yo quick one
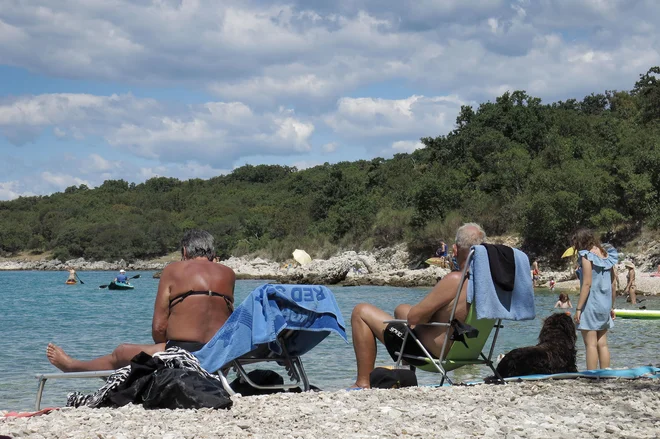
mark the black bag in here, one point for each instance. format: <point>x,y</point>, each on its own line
<point>154,386</point>
<point>385,378</point>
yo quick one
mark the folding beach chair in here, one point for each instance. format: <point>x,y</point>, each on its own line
<point>275,323</point>
<point>263,354</point>
<point>469,349</point>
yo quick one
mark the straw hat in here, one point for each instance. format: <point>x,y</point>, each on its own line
<point>629,264</point>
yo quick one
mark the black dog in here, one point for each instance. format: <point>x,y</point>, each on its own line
<point>555,352</point>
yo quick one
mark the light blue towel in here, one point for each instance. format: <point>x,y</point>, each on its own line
<point>493,302</point>
<point>311,310</point>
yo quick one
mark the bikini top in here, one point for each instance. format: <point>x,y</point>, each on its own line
<point>179,299</point>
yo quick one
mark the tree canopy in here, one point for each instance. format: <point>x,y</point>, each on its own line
<point>515,165</point>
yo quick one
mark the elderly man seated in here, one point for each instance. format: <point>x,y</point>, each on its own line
<point>367,321</point>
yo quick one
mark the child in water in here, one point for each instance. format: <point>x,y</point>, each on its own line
<point>564,302</point>
<point>552,284</point>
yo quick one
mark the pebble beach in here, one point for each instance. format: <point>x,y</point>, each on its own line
<point>579,408</point>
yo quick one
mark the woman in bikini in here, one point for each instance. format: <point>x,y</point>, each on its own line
<point>195,297</point>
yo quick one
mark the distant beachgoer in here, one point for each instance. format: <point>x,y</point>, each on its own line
<point>441,251</point>
<point>535,272</point>
<point>121,277</point>
<point>564,302</point>
<point>195,297</point>
<point>595,312</point>
<point>552,284</point>
<point>631,288</point>
<point>657,272</point>
<point>72,274</point>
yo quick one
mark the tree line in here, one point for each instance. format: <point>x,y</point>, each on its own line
<point>515,165</point>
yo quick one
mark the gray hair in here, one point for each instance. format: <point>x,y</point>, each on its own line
<point>198,243</point>
<point>469,234</point>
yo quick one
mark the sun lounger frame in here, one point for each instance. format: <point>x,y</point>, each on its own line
<point>43,377</point>
<point>293,366</point>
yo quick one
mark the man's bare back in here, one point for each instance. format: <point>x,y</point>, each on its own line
<point>194,317</point>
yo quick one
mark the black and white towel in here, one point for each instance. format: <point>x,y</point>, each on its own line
<point>172,358</point>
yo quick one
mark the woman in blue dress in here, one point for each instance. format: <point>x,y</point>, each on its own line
<point>595,310</point>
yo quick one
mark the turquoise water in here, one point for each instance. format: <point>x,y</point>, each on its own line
<point>87,321</point>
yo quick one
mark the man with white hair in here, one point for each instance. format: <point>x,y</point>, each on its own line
<point>367,321</point>
<point>121,277</point>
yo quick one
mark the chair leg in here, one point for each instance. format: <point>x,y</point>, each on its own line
<point>40,391</point>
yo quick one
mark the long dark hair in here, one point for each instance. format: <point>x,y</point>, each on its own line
<point>584,239</point>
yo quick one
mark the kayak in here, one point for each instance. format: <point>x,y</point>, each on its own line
<point>637,313</point>
<point>71,282</point>
<point>119,286</point>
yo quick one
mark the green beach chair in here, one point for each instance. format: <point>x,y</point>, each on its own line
<point>459,355</point>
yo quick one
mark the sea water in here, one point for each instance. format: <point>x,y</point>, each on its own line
<point>86,321</point>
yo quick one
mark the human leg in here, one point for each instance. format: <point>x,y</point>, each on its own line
<point>401,311</point>
<point>633,295</point>
<point>603,350</point>
<point>591,347</point>
<point>367,325</point>
<point>120,357</point>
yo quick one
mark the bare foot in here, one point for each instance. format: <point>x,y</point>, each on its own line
<point>59,358</point>
<point>363,386</point>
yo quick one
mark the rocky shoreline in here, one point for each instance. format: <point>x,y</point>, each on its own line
<point>383,267</point>
<point>388,266</point>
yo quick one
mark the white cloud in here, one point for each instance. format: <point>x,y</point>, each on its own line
<point>376,120</point>
<point>311,53</point>
<point>10,190</point>
<point>407,145</point>
<point>216,132</point>
<point>329,147</point>
<point>60,181</point>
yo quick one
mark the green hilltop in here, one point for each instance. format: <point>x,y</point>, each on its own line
<point>515,165</point>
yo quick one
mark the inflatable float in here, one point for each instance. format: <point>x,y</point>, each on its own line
<point>637,313</point>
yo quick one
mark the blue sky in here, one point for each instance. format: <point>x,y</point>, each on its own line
<point>93,90</point>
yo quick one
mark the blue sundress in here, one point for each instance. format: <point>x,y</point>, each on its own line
<point>595,314</point>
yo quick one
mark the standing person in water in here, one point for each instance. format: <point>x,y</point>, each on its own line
<point>195,297</point>
<point>121,277</point>
<point>595,312</point>
<point>72,275</point>
<point>631,288</point>
<point>535,272</point>
<point>564,302</point>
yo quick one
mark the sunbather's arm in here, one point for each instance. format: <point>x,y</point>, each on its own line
<point>441,295</point>
<point>161,308</point>
<point>586,286</point>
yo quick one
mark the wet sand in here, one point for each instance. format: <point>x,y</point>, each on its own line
<point>568,408</point>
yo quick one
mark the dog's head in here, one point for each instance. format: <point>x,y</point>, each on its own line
<point>560,328</point>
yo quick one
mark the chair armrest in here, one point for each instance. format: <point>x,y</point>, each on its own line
<point>419,324</point>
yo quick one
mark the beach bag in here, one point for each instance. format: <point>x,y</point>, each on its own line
<point>156,386</point>
<point>390,378</point>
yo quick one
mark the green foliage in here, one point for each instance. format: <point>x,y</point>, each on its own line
<point>514,165</point>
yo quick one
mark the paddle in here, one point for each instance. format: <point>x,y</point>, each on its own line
<point>80,280</point>
<point>137,276</point>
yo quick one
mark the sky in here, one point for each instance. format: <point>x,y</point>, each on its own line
<point>92,90</point>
